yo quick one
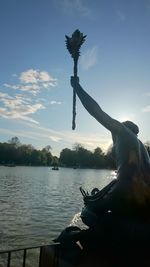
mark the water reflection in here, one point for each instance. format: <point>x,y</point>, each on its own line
<point>37,203</point>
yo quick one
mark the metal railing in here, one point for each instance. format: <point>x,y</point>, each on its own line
<point>9,253</point>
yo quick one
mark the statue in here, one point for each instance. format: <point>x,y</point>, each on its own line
<point>129,194</point>
<point>118,216</point>
<point>131,190</point>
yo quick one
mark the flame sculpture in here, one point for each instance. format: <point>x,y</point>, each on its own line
<point>73,44</point>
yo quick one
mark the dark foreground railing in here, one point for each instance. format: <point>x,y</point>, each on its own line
<point>9,253</point>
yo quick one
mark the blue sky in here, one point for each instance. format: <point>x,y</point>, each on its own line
<point>35,69</point>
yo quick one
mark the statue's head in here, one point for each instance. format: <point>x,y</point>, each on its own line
<point>133,127</point>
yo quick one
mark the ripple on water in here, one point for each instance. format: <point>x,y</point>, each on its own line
<point>37,203</point>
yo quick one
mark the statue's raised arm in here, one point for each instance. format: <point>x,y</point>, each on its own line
<point>94,109</point>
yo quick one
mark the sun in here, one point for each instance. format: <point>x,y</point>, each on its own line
<point>125,118</point>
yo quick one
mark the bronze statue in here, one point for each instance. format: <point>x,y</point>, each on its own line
<point>118,216</point>
<point>131,192</point>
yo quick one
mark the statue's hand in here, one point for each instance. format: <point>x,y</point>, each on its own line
<point>68,235</point>
<point>74,81</point>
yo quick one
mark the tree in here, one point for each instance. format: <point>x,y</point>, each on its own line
<point>48,148</point>
<point>46,156</point>
<point>110,160</point>
<point>14,141</point>
<point>67,157</point>
<point>55,161</point>
<point>20,154</point>
<point>98,158</point>
<point>35,158</point>
<point>83,156</point>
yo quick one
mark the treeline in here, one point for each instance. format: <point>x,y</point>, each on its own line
<point>13,152</point>
<point>83,158</point>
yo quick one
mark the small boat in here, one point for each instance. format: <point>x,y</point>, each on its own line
<point>55,168</point>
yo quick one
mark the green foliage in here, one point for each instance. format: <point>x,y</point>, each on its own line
<point>98,158</point>
<point>55,161</point>
<point>16,153</point>
<point>83,158</point>
<point>67,157</point>
<point>14,141</point>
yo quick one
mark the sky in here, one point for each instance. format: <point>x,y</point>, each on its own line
<point>35,69</point>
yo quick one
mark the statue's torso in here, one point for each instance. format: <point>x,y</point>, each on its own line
<point>131,155</point>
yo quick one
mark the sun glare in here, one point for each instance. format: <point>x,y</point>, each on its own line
<point>125,118</point>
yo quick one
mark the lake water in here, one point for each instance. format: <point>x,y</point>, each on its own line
<point>37,203</point>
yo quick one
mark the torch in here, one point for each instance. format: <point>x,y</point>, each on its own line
<point>73,44</point>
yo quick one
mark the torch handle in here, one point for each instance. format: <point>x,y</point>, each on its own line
<point>75,70</point>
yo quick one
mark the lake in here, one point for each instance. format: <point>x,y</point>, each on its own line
<point>37,203</point>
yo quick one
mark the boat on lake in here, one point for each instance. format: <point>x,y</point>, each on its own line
<point>55,168</point>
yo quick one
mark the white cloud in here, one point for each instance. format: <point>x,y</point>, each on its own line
<point>36,76</point>
<point>29,76</point>
<point>18,133</point>
<point>31,88</point>
<point>4,95</point>
<point>54,138</point>
<point>33,81</point>
<point>77,7</point>
<point>45,77</point>
<point>13,86</point>
<point>91,140</point>
<point>55,102</point>
<point>18,107</point>
<point>89,58</point>
<point>146,109</point>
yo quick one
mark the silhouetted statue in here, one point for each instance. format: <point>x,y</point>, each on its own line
<point>118,216</point>
<point>130,193</point>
